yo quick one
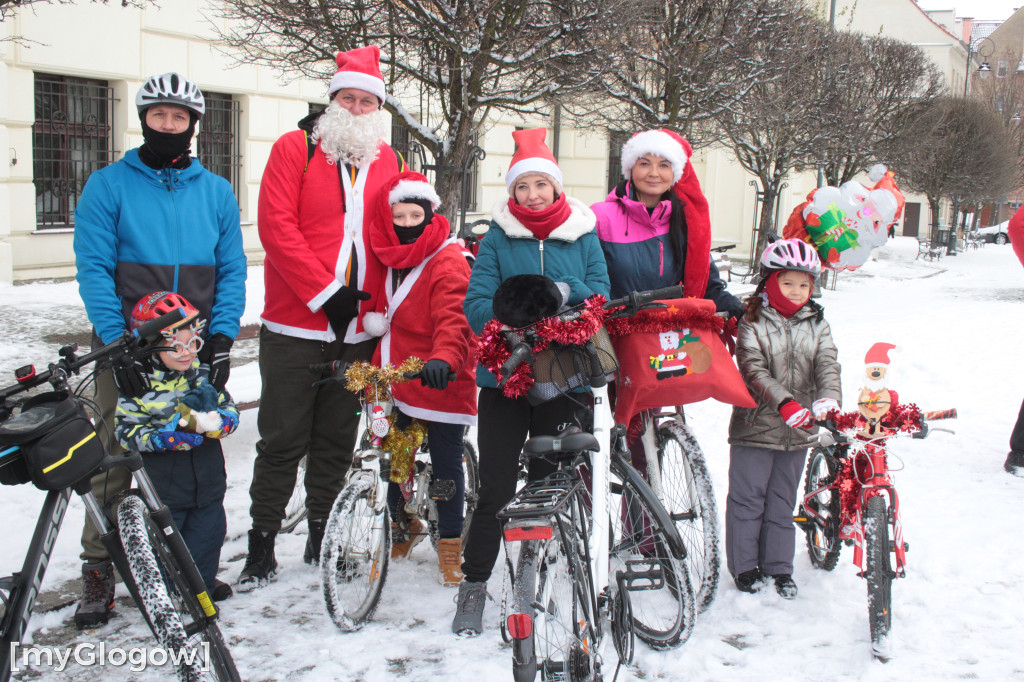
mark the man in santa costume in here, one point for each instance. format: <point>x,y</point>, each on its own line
<point>320,273</point>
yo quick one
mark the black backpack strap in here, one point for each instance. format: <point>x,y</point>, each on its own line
<point>310,149</point>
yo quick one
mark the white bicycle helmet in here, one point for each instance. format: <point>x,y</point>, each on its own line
<point>791,254</point>
<point>171,88</point>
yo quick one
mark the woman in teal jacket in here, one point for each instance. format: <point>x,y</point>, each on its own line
<point>539,230</point>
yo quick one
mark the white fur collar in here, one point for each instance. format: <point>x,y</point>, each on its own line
<point>581,220</point>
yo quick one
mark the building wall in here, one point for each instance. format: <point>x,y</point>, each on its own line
<point>142,42</point>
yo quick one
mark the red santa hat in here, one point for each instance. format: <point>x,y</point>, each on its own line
<point>664,143</point>
<point>532,156</point>
<point>878,354</point>
<point>360,69</point>
<point>411,185</point>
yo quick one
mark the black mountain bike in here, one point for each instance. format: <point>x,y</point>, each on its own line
<point>53,443</point>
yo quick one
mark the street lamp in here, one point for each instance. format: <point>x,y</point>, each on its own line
<point>978,48</point>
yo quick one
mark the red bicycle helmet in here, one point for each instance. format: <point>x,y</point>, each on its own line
<point>152,306</point>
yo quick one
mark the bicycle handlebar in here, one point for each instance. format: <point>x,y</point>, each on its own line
<point>840,438</point>
<point>337,369</point>
<point>71,364</point>
<point>636,299</point>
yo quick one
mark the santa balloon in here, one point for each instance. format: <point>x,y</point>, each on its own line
<point>846,223</point>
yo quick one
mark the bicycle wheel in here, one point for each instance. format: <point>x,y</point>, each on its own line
<point>644,563</point>
<point>688,496</point>
<point>471,472</point>
<point>878,573</point>
<point>823,543</point>
<point>176,616</point>
<point>295,511</point>
<point>554,588</point>
<point>355,554</point>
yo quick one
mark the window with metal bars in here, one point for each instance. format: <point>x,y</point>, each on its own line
<point>70,140</point>
<point>400,140</point>
<point>217,144</point>
<point>615,141</point>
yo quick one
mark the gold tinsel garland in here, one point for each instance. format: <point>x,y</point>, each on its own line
<point>403,446</point>
<point>376,383</point>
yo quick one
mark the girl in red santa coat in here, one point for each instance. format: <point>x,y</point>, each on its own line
<point>419,313</point>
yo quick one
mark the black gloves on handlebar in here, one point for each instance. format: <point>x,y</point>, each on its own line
<point>216,353</point>
<point>342,306</point>
<point>435,374</point>
<point>131,375</point>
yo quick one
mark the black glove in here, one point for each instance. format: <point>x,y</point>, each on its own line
<point>216,353</point>
<point>435,374</point>
<point>342,306</point>
<point>130,375</point>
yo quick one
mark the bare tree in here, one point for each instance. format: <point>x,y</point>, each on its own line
<point>8,6</point>
<point>463,57</point>
<point>678,64</point>
<point>873,85</point>
<point>956,148</point>
<point>777,126</point>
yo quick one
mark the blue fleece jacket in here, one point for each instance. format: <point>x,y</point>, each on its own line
<point>139,230</point>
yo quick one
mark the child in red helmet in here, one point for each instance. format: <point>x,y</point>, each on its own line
<point>177,425</point>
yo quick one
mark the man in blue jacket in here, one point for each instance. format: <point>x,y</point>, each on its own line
<point>155,220</point>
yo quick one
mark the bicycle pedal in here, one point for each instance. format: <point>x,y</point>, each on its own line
<point>642,574</point>
<point>441,490</point>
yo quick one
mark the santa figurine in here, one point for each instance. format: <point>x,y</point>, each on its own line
<point>379,425</point>
<point>875,399</point>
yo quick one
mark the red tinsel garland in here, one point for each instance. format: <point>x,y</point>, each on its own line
<point>658,320</point>
<point>492,350</point>
<point>901,417</point>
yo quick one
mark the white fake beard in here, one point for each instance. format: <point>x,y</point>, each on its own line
<point>349,139</point>
<point>876,384</point>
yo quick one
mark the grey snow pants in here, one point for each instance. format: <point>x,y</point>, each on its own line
<point>759,527</point>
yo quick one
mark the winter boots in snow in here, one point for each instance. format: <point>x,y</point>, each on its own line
<point>261,564</point>
<point>750,581</point>
<point>97,594</point>
<point>469,609</point>
<point>403,540</point>
<point>314,540</point>
<point>221,591</point>
<point>449,561</point>
<point>785,586</point>
<point>1015,463</point>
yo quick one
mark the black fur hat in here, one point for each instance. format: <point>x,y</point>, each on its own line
<point>521,300</point>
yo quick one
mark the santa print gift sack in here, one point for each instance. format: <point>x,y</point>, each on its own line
<point>673,356</point>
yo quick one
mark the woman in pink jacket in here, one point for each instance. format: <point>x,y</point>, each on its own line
<point>419,313</point>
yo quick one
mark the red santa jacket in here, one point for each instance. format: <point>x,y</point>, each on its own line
<point>1015,231</point>
<point>308,230</point>
<point>423,317</point>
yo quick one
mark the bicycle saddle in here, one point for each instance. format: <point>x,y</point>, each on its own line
<point>565,442</point>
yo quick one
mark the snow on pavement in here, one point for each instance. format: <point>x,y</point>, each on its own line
<point>958,614</point>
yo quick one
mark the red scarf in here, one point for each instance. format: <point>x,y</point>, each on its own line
<point>394,254</point>
<point>777,300</point>
<point>542,223</point>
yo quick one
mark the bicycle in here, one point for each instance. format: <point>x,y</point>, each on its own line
<point>569,541</point>
<point>849,497</point>
<point>53,444</point>
<point>356,550</point>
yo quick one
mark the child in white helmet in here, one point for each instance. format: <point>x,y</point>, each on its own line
<point>785,353</point>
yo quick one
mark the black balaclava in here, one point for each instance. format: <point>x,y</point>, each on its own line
<point>407,235</point>
<point>163,150</point>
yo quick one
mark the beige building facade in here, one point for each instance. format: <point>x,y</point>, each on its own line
<point>68,107</point>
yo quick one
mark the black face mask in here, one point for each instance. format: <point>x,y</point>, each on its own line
<point>163,150</point>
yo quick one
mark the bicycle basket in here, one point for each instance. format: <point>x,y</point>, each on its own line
<point>58,444</point>
<point>560,368</point>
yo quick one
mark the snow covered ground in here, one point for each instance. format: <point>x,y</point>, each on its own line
<point>959,613</point>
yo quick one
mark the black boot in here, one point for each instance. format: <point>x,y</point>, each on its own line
<point>314,540</point>
<point>97,594</point>
<point>260,565</point>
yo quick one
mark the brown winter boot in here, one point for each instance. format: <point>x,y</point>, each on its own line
<point>449,561</point>
<point>403,542</point>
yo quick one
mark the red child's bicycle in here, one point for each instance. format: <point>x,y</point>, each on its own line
<point>849,497</point>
